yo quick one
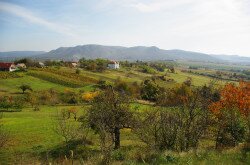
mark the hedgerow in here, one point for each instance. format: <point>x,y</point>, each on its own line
<point>5,75</point>
<point>70,75</point>
<point>54,78</point>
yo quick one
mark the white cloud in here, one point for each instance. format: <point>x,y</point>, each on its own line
<point>158,5</point>
<point>215,26</point>
<point>32,18</point>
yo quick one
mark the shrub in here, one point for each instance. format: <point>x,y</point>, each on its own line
<point>89,96</point>
<point>118,155</point>
<point>78,71</point>
<point>148,69</point>
<point>25,87</point>
<point>149,90</point>
<point>6,75</point>
<point>36,108</point>
<point>69,97</point>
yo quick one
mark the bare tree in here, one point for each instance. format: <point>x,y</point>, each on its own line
<point>65,127</point>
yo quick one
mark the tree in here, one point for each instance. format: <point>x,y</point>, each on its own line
<point>78,71</point>
<point>232,112</point>
<point>189,110</point>
<point>28,62</point>
<point>5,102</point>
<point>68,129</point>
<point>233,96</point>
<point>89,96</point>
<point>121,85</point>
<point>15,102</point>
<point>188,81</point>
<point>70,97</point>
<point>171,69</point>
<point>25,87</point>
<point>159,128</point>
<point>149,90</point>
<point>109,113</point>
<point>32,99</point>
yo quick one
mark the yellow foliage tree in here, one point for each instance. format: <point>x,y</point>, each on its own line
<point>89,96</point>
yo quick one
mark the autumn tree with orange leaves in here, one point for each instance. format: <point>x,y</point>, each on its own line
<point>232,112</point>
<point>233,96</point>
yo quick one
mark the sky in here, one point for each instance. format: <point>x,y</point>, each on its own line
<point>208,26</point>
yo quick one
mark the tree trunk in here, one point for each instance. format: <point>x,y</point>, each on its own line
<point>117,137</point>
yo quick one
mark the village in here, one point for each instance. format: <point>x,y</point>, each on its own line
<point>15,66</point>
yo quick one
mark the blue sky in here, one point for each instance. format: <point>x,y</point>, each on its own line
<point>209,26</point>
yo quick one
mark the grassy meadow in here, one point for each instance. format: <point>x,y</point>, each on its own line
<point>32,133</point>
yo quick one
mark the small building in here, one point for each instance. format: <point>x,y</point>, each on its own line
<point>41,64</point>
<point>21,66</point>
<point>113,65</point>
<point>71,64</point>
<point>74,64</point>
<point>7,66</point>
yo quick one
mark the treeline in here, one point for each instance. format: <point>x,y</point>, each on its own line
<point>233,75</point>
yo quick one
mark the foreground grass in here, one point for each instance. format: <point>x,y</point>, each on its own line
<point>29,129</point>
<point>32,135</point>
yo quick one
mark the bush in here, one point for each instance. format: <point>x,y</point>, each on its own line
<point>148,69</point>
<point>36,108</point>
<point>231,130</point>
<point>78,71</point>
<point>6,75</point>
<point>89,96</point>
<point>118,155</point>
<point>149,90</point>
<point>69,97</point>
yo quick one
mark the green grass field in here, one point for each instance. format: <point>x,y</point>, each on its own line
<point>11,85</point>
<point>31,132</point>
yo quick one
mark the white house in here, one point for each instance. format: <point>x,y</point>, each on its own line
<point>113,65</point>
<point>21,66</point>
<point>41,64</point>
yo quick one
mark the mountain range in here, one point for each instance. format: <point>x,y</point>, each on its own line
<point>121,53</point>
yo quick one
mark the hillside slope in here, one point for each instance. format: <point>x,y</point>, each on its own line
<point>124,53</point>
<point>121,53</point>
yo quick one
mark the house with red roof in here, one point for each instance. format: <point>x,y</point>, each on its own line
<point>7,66</point>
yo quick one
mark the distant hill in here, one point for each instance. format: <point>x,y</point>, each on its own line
<point>10,56</point>
<point>121,53</point>
<point>233,58</point>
